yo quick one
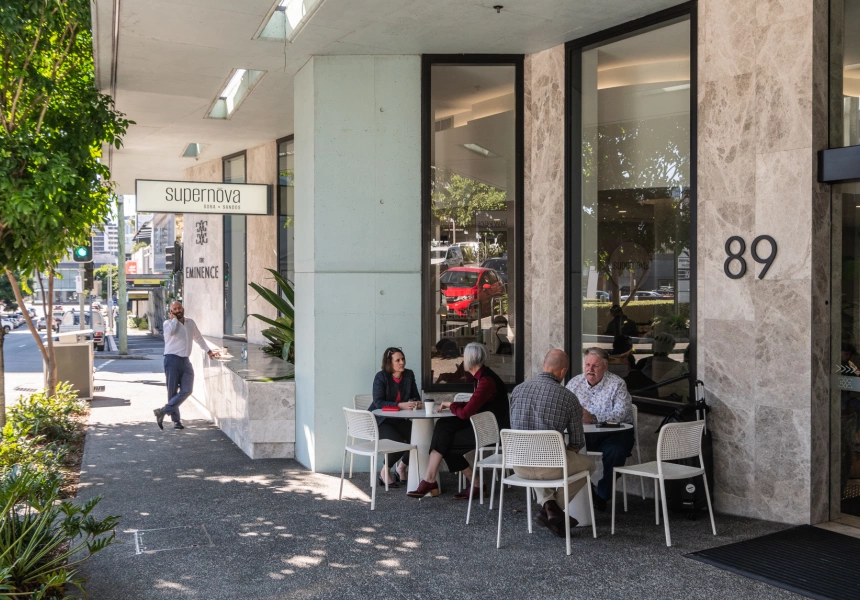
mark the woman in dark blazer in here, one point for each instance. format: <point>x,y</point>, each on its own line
<point>395,385</point>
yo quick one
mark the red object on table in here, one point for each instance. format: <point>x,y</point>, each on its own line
<point>390,408</point>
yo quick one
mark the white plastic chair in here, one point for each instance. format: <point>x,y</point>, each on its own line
<point>486,440</point>
<point>359,402</point>
<point>676,441</point>
<point>461,479</point>
<point>361,425</point>
<point>541,449</point>
<point>638,454</point>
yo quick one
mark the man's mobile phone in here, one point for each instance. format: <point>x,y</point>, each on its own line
<point>609,424</point>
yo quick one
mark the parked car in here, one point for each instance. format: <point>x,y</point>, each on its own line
<point>461,286</point>
<point>42,324</point>
<point>8,324</point>
<point>499,265</point>
<point>602,296</point>
<point>644,296</point>
<point>447,257</point>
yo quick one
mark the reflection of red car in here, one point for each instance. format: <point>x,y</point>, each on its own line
<point>463,285</point>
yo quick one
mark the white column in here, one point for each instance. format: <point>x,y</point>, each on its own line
<point>358,236</point>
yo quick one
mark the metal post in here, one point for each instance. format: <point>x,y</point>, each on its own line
<point>82,294</point>
<point>122,297</point>
<point>110,300</point>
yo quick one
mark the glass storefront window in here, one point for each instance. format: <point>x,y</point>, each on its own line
<point>286,204</point>
<point>471,270</point>
<point>845,74</point>
<point>633,198</point>
<point>235,288</point>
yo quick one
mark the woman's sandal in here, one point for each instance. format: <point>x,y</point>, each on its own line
<point>391,484</point>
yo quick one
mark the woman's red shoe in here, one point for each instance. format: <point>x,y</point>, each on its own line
<point>423,489</point>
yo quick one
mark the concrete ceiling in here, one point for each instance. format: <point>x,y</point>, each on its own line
<point>174,57</point>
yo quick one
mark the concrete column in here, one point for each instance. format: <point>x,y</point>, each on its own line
<point>358,222</point>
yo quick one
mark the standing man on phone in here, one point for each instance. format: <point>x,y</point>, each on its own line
<point>179,332</point>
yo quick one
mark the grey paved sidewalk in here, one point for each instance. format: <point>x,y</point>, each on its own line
<point>269,529</point>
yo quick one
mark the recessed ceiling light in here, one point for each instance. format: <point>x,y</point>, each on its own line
<point>622,211</point>
<point>479,150</point>
<point>193,150</point>
<point>287,18</point>
<point>237,88</point>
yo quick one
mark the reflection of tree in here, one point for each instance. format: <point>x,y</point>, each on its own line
<point>458,197</point>
<point>637,165</point>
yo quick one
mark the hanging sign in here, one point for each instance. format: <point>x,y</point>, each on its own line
<point>201,197</point>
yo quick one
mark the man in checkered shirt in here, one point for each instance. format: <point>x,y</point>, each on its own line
<point>604,397</point>
<point>543,403</point>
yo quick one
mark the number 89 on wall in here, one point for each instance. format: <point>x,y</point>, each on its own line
<point>739,268</point>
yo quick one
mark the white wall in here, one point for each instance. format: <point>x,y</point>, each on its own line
<point>358,217</point>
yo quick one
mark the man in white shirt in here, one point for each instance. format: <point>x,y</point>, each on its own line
<point>604,397</point>
<point>179,332</point>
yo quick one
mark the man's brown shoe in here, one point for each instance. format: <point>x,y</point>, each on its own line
<point>556,519</point>
<point>423,489</point>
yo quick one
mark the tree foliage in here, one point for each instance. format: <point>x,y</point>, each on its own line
<point>457,197</point>
<point>53,125</point>
<point>102,275</point>
<point>7,294</point>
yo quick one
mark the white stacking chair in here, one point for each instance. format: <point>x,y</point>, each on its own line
<point>636,447</point>
<point>359,402</point>
<point>676,441</point>
<point>486,441</point>
<point>361,425</point>
<point>541,449</point>
<point>461,479</point>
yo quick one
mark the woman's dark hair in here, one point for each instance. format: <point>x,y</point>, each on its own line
<point>387,358</point>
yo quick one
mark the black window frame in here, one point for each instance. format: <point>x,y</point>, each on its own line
<point>224,334</point>
<point>427,62</point>
<point>278,142</point>
<point>573,185</point>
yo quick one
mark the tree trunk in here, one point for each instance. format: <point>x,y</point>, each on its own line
<point>2,380</point>
<point>47,354</point>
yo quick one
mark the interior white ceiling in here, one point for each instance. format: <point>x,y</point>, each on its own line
<point>175,56</point>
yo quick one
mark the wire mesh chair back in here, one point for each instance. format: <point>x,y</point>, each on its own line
<point>532,448</point>
<point>361,424</point>
<point>462,397</point>
<point>680,440</point>
<point>486,429</point>
<point>362,401</point>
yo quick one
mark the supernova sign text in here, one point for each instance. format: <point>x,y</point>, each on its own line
<point>200,197</point>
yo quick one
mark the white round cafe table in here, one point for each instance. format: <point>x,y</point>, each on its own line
<point>422,435</point>
<point>579,505</point>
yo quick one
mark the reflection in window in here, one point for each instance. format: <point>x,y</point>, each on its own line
<point>286,204</point>
<point>635,198</point>
<point>845,82</point>
<point>472,219</point>
<point>235,278</point>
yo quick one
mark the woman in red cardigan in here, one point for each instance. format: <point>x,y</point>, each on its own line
<point>453,437</point>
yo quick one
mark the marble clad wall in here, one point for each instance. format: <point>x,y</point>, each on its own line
<point>204,298</point>
<point>763,343</point>
<point>262,245</point>
<point>543,206</point>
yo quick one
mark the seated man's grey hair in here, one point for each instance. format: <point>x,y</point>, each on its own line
<point>474,356</point>
<point>596,352</point>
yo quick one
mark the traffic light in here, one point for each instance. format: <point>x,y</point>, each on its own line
<point>88,276</point>
<point>83,253</point>
<point>170,259</point>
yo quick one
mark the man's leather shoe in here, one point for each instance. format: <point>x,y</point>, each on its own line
<point>543,519</point>
<point>159,417</point>
<point>178,425</point>
<point>599,503</point>
<point>423,489</point>
<point>556,518</point>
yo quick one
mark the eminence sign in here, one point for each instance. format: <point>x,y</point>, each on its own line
<point>198,197</point>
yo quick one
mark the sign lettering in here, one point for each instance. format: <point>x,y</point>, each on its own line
<point>767,261</point>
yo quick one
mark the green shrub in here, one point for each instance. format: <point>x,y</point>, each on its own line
<point>48,416</point>
<point>40,535</point>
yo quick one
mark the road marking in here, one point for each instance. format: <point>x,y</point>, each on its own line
<point>106,363</point>
<point>23,346</point>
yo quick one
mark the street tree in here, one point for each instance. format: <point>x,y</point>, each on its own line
<point>101,274</point>
<point>53,125</point>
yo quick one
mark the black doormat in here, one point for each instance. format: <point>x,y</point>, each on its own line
<point>807,560</point>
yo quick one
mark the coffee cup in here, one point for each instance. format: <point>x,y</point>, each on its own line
<point>428,406</point>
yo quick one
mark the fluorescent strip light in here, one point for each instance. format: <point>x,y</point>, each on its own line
<point>479,150</point>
